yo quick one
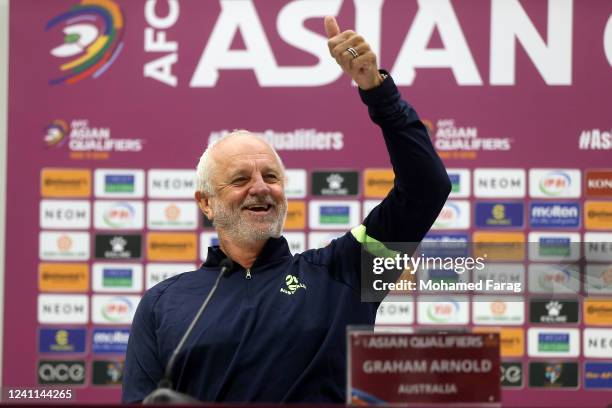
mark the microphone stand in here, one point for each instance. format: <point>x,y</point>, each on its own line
<point>165,394</point>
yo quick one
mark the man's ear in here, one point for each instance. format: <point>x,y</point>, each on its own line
<point>204,204</point>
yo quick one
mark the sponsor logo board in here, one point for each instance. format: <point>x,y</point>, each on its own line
<point>498,311</point>
<point>296,241</point>
<point>499,183</point>
<point>554,183</point>
<point>295,183</point>
<point>442,311</point>
<point>598,311</point>
<point>499,215</point>
<point>553,342</point>
<point>598,279</point>
<point>454,215</point>
<point>164,246</point>
<point>553,374</point>
<point>57,183</point>
<point>63,246</point>
<point>171,183</point>
<point>61,372</point>
<point>118,215</point>
<point>172,215</point>
<point>597,343</point>
<point>118,246</point>
<point>61,340</point>
<point>110,309</point>
<point>511,374</point>
<point>598,215</point>
<point>112,341</point>
<point>157,272</point>
<point>513,273</point>
<point>599,183</point>
<point>333,214</point>
<point>377,182</point>
<point>296,215</point>
<point>597,375</point>
<point>395,310</point>
<point>119,183</point>
<point>554,311</point>
<point>554,215</point>
<point>499,246</point>
<point>368,206</point>
<point>460,182</point>
<point>65,214</point>
<point>63,309</point>
<point>117,277</point>
<point>553,246</point>
<point>335,183</point>
<point>598,246</point>
<point>207,239</point>
<point>554,278</point>
<point>107,372</point>
<point>322,239</point>
<point>63,277</point>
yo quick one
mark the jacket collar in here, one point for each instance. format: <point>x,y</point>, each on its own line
<point>274,249</point>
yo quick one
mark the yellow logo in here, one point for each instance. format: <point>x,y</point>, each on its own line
<point>499,211</point>
<point>61,338</point>
<point>293,284</point>
<point>63,277</point>
<point>162,246</point>
<point>65,183</point>
<point>511,341</point>
<point>598,312</point>
<point>296,215</point>
<point>598,215</point>
<point>377,182</point>
<point>499,246</point>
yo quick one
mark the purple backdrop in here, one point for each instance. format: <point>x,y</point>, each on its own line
<point>541,112</point>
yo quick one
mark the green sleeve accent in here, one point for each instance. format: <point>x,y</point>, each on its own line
<point>371,245</point>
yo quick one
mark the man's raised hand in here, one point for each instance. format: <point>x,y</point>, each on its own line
<point>353,55</point>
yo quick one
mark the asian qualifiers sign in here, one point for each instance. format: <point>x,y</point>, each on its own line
<point>511,28</point>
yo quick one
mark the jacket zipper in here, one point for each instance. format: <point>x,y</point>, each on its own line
<point>248,273</point>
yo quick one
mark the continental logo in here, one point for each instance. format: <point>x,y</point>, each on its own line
<point>511,341</point>
<point>598,215</point>
<point>296,215</point>
<point>499,246</point>
<point>65,183</point>
<point>377,182</point>
<point>63,277</point>
<point>171,247</point>
<point>598,312</point>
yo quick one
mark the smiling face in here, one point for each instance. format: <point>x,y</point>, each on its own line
<point>249,201</point>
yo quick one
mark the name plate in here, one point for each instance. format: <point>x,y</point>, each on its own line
<point>400,368</point>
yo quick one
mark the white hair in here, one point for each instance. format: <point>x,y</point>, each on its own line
<point>206,164</point>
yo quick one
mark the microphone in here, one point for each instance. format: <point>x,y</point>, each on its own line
<point>164,394</point>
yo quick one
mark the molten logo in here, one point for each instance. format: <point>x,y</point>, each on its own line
<point>92,34</point>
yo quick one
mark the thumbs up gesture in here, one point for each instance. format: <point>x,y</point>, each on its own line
<point>353,55</point>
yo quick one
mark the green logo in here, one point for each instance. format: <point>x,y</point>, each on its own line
<point>293,284</point>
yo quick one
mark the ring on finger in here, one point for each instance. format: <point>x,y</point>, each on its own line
<point>353,52</point>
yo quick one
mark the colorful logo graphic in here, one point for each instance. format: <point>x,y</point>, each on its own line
<point>119,215</point>
<point>555,183</point>
<point>93,32</point>
<point>443,312</point>
<point>55,133</point>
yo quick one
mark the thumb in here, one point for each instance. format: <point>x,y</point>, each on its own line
<point>331,26</point>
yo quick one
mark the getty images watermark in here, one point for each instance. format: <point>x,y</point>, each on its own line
<point>548,267</point>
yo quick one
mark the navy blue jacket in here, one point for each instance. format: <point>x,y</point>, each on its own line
<point>280,336</point>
